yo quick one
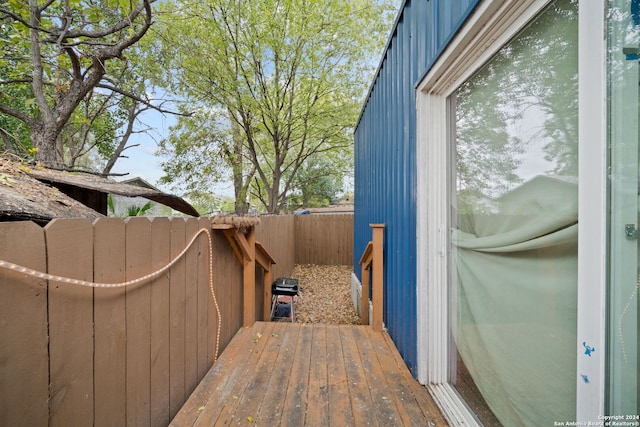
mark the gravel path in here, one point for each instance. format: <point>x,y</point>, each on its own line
<point>325,295</point>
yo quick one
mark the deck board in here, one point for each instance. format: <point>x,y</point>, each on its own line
<point>314,375</point>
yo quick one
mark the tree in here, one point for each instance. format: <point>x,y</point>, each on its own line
<point>316,184</point>
<point>286,76</point>
<point>59,51</point>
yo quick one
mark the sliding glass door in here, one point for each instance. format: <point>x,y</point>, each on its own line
<point>513,216</point>
<point>623,35</point>
<point>542,321</point>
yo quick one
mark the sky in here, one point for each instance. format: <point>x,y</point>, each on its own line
<point>142,161</point>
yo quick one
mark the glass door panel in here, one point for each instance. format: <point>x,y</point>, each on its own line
<point>514,213</point>
<point>623,23</point>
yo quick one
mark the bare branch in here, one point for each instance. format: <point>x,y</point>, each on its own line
<point>137,98</point>
<point>144,5</point>
<point>18,115</point>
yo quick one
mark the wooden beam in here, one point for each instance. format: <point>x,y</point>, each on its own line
<point>367,256</point>
<point>378,275</point>
<point>263,258</point>
<point>237,241</point>
<point>228,231</point>
<point>239,244</point>
<point>221,226</point>
<point>364,298</point>
<point>247,249</point>
<point>249,290</point>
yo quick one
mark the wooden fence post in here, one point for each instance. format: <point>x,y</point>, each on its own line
<point>377,274</point>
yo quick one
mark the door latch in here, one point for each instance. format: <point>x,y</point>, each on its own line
<point>631,232</point>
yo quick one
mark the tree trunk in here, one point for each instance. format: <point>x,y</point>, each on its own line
<point>44,138</point>
<point>273,193</point>
<point>239,186</point>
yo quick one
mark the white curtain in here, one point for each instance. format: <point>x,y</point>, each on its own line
<point>516,301</point>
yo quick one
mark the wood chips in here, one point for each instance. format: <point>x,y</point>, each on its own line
<point>325,296</point>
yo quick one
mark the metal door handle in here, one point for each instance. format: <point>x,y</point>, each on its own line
<point>631,232</point>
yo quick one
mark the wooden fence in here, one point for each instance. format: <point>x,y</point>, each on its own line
<point>79,355</point>
<point>324,239</point>
<point>307,239</point>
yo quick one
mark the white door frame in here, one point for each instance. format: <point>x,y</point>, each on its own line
<point>490,28</point>
<point>592,209</point>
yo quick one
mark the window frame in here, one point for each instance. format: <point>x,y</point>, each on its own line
<point>491,26</point>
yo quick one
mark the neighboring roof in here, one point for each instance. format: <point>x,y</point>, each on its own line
<point>30,193</point>
<point>332,209</point>
<point>139,182</point>
<point>109,186</point>
<point>24,198</point>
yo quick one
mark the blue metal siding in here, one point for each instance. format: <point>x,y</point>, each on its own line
<point>385,149</point>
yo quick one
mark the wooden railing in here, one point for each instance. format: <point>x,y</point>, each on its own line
<point>372,266</point>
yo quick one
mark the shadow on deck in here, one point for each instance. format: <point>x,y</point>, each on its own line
<point>277,373</point>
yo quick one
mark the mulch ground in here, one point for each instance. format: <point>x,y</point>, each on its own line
<point>325,296</point>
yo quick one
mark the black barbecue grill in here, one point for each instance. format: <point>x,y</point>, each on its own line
<point>283,291</point>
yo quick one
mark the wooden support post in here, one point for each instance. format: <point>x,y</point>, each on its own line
<point>266,313</point>
<point>265,261</point>
<point>249,306</point>
<point>365,263</point>
<point>377,273</point>
<point>364,299</point>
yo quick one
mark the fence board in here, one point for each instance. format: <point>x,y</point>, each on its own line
<point>277,234</point>
<point>191,307</point>
<point>160,256</point>
<point>222,266</point>
<point>70,254</point>
<point>110,323</point>
<point>177,307</point>
<point>138,311</point>
<point>204,299</point>
<point>24,371</point>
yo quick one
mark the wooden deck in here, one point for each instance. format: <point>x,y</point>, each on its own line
<point>278,373</point>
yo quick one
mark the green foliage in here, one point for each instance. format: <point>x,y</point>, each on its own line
<point>138,210</point>
<point>288,77</point>
<point>111,209</point>
<point>196,148</point>
<point>205,202</point>
<point>14,132</point>
<point>316,185</point>
<point>93,126</point>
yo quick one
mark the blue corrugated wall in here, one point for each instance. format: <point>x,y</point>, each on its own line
<point>385,149</point>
